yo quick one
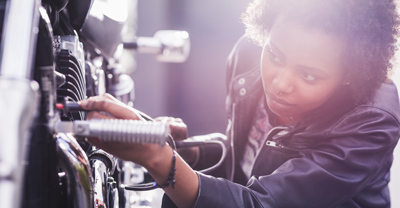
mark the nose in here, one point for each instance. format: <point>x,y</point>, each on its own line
<point>283,81</point>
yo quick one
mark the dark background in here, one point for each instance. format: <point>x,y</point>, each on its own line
<point>195,90</point>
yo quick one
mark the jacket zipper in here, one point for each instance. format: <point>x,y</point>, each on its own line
<point>267,143</point>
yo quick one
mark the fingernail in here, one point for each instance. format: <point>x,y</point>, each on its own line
<point>83,103</point>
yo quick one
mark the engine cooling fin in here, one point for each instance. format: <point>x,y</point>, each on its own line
<point>74,88</point>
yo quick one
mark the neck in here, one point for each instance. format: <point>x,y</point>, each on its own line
<point>286,120</point>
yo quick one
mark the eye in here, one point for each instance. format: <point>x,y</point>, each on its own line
<point>307,76</point>
<point>274,58</point>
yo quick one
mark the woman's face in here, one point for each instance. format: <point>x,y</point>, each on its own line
<point>301,68</point>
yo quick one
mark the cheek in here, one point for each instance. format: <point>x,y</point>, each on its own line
<point>311,96</point>
<point>267,73</point>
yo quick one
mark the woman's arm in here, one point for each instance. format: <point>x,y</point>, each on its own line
<point>156,159</point>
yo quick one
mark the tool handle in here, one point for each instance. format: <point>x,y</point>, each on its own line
<point>118,130</point>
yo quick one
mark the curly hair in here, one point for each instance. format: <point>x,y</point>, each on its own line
<point>369,27</point>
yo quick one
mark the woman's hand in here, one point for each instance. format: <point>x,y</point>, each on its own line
<point>108,107</point>
<point>178,128</point>
<point>156,159</point>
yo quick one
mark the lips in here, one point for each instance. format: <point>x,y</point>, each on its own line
<point>278,104</point>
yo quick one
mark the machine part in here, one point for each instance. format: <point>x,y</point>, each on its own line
<point>78,11</point>
<point>129,131</point>
<point>131,174</point>
<point>104,25</point>
<point>166,45</point>
<point>106,158</point>
<point>19,36</point>
<point>75,87</point>
<point>95,80</point>
<point>68,107</point>
<point>18,96</point>
<point>113,198</point>
<point>121,85</point>
<point>58,4</point>
<point>60,79</point>
<point>71,43</point>
<point>105,191</point>
<point>18,100</point>
<point>45,77</point>
<point>100,186</point>
<point>75,164</point>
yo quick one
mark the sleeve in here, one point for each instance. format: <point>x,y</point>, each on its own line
<point>355,153</point>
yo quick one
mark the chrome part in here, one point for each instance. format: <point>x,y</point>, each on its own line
<point>18,44</point>
<point>121,85</point>
<point>130,131</point>
<point>104,26</point>
<point>105,188</point>
<point>176,46</point>
<point>71,43</point>
<point>108,159</point>
<point>99,186</point>
<point>101,82</point>
<point>167,45</point>
<point>75,164</point>
<point>95,80</point>
<point>113,198</point>
<point>124,90</point>
<point>60,79</point>
<point>18,105</point>
<point>62,127</point>
<point>148,45</point>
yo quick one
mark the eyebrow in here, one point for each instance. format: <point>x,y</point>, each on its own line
<point>315,70</point>
<point>276,50</point>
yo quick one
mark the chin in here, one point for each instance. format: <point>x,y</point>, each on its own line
<point>280,113</point>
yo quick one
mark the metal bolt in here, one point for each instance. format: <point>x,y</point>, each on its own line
<point>80,129</point>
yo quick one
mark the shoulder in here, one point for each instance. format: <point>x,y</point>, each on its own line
<point>379,116</point>
<point>384,103</point>
<point>386,99</point>
<point>376,121</point>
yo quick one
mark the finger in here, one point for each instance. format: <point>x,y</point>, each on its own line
<point>86,103</point>
<point>159,118</point>
<point>108,104</point>
<point>178,131</point>
<point>97,115</point>
<point>179,120</point>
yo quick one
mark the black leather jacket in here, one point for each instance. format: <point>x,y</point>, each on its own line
<point>340,158</point>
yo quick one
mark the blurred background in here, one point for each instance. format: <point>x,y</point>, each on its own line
<point>195,90</point>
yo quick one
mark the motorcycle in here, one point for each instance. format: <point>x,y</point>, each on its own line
<point>55,53</point>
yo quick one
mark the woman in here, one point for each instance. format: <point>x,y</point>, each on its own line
<point>313,125</point>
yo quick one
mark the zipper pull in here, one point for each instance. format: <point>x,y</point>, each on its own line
<point>271,143</point>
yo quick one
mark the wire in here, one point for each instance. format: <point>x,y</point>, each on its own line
<point>181,144</point>
<point>207,170</point>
